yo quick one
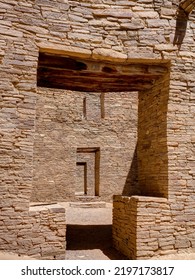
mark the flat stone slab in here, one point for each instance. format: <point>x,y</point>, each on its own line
<point>87,198</point>
<point>98,204</point>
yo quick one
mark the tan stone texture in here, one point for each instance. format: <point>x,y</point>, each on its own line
<point>40,129</point>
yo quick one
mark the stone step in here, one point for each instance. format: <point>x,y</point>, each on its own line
<point>96,204</point>
<point>87,198</point>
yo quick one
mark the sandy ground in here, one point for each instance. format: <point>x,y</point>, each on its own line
<point>89,237</point>
<point>89,234</point>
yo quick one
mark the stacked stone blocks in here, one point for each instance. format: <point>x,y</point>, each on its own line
<point>125,32</point>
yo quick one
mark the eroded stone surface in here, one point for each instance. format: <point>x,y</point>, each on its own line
<point>145,31</point>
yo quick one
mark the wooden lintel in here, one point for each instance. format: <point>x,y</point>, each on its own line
<point>187,5</point>
<point>68,73</point>
<point>80,65</point>
<point>88,150</point>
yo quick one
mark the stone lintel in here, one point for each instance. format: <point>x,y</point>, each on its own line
<point>140,199</point>
<point>60,49</point>
<point>51,207</point>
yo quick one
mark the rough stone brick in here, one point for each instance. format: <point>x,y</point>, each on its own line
<point>159,119</point>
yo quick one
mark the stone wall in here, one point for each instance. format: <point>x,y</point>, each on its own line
<point>47,239</point>
<point>152,149</point>
<point>61,129</point>
<point>134,32</point>
<point>40,234</point>
<point>144,227</point>
<point>124,225</point>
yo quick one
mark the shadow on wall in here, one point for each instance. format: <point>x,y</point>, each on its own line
<point>152,150</point>
<point>181,22</point>
<point>181,26</point>
<point>148,174</point>
<point>131,186</point>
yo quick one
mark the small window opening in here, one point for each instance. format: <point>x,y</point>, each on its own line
<point>102,98</point>
<point>84,108</point>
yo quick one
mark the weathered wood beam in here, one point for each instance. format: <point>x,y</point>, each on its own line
<point>187,5</point>
<point>98,82</point>
<point>81,66</point>
<point>98,76</point>
<point>88,150</point>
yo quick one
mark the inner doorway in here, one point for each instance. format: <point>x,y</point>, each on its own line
<point>150,79</point>
<point>88,171</point>
<point>81,178</point>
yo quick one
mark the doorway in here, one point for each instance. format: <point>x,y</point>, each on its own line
<point>151,80</point>
<point>88,171</point>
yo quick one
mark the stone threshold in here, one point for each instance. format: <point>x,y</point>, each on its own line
<point>98,204</point>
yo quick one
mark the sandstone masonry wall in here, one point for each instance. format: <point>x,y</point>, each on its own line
<point>152,139</point>
<point>61,129</point>
<point>124,31</point>
<point>46,239</point>
<point>40,234</point>
<point>148,228</point>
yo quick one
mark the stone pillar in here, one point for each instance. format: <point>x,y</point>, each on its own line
<point>152,139</point>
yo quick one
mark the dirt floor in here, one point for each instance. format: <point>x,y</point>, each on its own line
<point>89,236</point>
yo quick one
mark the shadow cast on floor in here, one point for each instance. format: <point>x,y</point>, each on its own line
<point>89,237</point>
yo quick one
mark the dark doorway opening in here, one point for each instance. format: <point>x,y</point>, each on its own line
<point>88,171</point>
<point>81,185</point>
<point>151,79</point>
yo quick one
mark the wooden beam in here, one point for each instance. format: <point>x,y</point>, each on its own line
<point>80,65</point>
<point>187,5</point>
<point>96,76</point>
<point>88,150</point>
